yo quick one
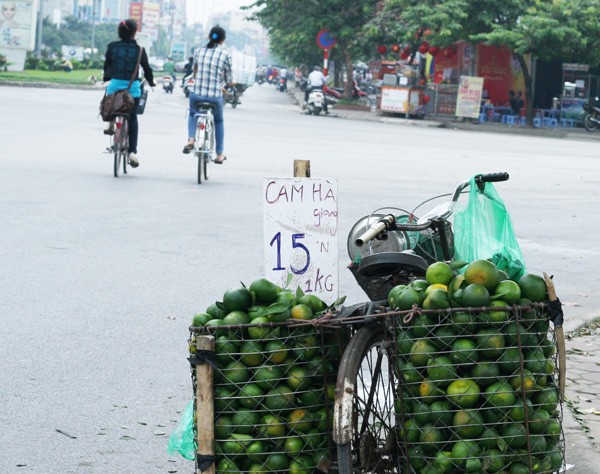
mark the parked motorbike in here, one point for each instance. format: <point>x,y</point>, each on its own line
<point>188,84</point>
<point>591,119</point>
<point>231,96</point>
<point>316,101</point>
<point>167,83</point>
<point>302,83</point>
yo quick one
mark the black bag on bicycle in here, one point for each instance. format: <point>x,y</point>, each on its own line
<point>121,102</point>
<point>143,99</point>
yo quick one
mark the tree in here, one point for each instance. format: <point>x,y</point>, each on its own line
<point>293,27</point>
<point>566,30</point>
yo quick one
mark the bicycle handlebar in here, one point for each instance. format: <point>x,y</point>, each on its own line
<point>384,223</point>
<point>388,222</point>
<point>491,177</point>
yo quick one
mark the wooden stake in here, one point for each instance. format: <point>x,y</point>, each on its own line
<point>301,168</point>
<point>560,342</point>
<point>205,412</point>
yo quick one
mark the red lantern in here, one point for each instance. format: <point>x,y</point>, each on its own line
<point>426,99</point>
<point>434,50</point>
<point>395,48</point>
<point>382,50</point>
<point>423,49</point>
<point>406,50</point>
<point>404,55</point>
<point>447,52</point>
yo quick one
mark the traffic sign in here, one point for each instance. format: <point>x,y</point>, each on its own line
<point>325,40</point>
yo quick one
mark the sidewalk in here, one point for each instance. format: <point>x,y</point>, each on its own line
<point>582,405</point>
<point>452,123</point>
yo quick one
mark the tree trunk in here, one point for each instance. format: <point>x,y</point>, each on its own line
<point>528,88</point>
<point>349,85</point>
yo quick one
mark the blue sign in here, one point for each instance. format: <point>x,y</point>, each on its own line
<point>325,40</point>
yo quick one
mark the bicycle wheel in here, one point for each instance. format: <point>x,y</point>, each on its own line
<point>125,143</point>
<point>210,146</point>
<point>199,145</point>
<point>364,417</point>
<point>588,123</point>
<point>117,149</point>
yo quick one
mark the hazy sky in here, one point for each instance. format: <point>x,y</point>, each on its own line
<point>200,10</point>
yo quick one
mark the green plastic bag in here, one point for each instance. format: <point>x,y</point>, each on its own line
<point>483,230</point>
<point>182,438</point>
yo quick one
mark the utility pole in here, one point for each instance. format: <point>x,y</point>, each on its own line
<point>40,25</point>
<point>93,25</point>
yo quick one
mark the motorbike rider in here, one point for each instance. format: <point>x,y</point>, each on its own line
<point>283,73</point>
<point>169,67</point>
<point>316,80</point>
<point>187,69</point>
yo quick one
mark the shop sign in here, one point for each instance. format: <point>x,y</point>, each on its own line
<point>468,100</point>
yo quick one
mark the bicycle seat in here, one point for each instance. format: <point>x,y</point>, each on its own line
<point>205,105</point>
<point>387,263</point>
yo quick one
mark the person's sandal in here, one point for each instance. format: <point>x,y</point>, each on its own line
<point>188,148</point>
<point>220,162</point>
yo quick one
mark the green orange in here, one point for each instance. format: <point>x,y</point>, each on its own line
<point>533,287</point>
<point>463,392</point>
<point>482,272</point>
<point>439,272</point>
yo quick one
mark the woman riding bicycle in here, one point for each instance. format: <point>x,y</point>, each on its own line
<point>212,66</point>
<point>119,66</point>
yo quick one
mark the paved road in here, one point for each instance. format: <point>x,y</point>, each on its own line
<point>100,276</point>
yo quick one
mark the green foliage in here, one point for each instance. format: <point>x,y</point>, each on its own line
<point>78,33</point>
<point>293,27</point>
<point>566,30</point>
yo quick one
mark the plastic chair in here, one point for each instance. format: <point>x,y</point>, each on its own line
<point>510,119</point>
<point>549,122</point>
<point>522,120</point>
<point>537,122</point>
<point>567,122</point>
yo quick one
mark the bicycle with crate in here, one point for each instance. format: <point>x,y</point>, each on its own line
<point>386,249</point>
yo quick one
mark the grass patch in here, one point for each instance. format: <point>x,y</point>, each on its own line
<point>76,77</point>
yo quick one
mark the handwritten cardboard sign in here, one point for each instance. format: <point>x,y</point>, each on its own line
<point>301,234</point>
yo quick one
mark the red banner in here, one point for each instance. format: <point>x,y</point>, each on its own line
<point>136,13</point>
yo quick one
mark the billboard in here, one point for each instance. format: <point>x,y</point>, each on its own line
<point>150,19</point>
<point>135,13</point>
<point>17,24</point>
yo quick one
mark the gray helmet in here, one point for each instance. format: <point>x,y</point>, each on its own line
<point>316,68</point>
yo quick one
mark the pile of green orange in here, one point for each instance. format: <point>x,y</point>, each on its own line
<point>477,385</point>
<point>274,382</point>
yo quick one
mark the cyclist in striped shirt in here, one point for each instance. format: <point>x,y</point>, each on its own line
<point>212,66</point>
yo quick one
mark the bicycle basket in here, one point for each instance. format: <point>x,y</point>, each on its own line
<point>429,245</point>
<point>143,100</point>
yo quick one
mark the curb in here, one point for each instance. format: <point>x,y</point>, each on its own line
<point>51,85</point>
<point>453,123</point>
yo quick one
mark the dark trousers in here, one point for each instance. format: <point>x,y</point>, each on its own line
<point>133,127</point>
